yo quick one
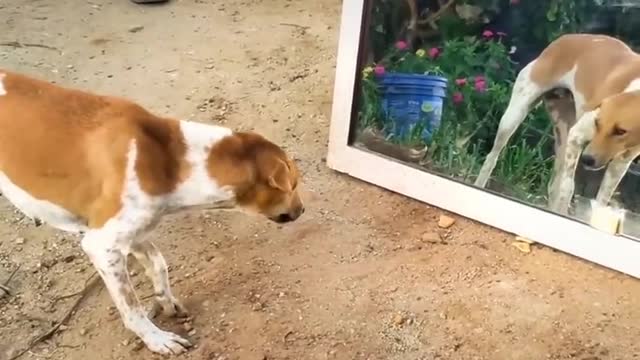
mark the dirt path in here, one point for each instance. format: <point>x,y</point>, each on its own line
<point>358,278</point>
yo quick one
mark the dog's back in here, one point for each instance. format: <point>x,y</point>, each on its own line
<point>68,147</point>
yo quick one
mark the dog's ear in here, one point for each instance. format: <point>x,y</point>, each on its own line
<point>594,104</point>
<point>279,178</point>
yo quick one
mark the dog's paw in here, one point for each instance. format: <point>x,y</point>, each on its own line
<point>605,218</point>
<point>164,342</point>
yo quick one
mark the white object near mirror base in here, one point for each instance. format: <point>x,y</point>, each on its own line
<point>570,236</point>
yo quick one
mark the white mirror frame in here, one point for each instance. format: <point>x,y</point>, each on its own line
<point>567,235</point>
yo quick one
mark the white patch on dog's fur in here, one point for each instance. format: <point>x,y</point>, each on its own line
<point>3,91</point>
<point>634,85</point>
<point>42,210</point>
<point>199,188</point>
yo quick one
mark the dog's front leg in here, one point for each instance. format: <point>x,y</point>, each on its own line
<point>562,110</point>
<point>601,214</point>
<point>107,249</point>
<point>581,133</point>
<point>612,177</point>
<point>156,269</point>
<point>558,162</point>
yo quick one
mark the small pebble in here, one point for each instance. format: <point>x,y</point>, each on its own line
<point>136,29</point>
<point>138,345</point>
<point>431,238</point>
<point>522,246</point>
<point>446,222</point>
<point>524,240</point>
<point>399,319</point>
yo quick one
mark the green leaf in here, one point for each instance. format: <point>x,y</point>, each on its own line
<point>552,13</point>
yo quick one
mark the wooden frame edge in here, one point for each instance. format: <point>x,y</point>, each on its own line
<point>567,235</point>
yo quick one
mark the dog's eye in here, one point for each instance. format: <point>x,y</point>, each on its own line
<point>618,131</point>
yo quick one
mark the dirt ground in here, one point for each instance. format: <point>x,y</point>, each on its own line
<point>358,277</point>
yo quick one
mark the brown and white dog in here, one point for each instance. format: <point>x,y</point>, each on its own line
<point>107,168</point>
<point>603,75</point>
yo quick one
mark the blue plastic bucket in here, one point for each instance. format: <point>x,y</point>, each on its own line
<point>412,99</point>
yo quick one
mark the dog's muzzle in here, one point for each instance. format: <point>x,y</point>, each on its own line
<point>288,217</point>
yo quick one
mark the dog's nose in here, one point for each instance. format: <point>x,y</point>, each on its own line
<point>283,218</point>
<point>587,160</point>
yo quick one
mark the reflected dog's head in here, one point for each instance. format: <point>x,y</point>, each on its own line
<point>263,178</point>
<point>617,131</point>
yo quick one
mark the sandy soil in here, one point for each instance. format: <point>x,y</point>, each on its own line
<point>363,275</point>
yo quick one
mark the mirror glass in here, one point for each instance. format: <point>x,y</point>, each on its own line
<point>538,101</point>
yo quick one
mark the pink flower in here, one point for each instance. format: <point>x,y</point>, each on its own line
<point>457,98</point>
<point>515,2</point>
<point>401,45</point>
<point>379,70</point>
<point>501,34</point>
<point>480,83</point>
<point>488,34</point>
<point>461,82</point>
<point>434,52</point>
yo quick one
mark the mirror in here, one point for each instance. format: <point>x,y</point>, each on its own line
<point>504,95</point>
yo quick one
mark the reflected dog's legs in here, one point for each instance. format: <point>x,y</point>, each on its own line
<point>525,92</point>
<point>562,110</point>
<point>616,170</point>
<point>579,135</point>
